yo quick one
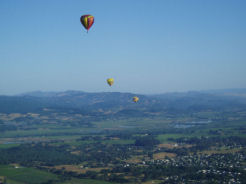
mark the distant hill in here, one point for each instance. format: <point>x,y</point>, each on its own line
<point>39,94</point>
<point>121,103</point>
<point>241,92</point>
<point>230,90</point>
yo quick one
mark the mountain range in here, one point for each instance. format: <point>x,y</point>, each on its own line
<point>121,103</point>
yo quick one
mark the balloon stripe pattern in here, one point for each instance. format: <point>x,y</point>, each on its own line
<point>87,21</point>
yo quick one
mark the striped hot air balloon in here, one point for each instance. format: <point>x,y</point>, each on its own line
<point>87,21</point>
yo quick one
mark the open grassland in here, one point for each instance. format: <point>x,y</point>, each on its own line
<point>132,123</point>
<point>119,141</point>
<point>9,181</point>
<point>34,176</point>
<point>74,142</point>
<point>162,155</point>
<point>152,182</point>
<point>77,143</point>
<point>78,169</point>
<point>85,181</point>
<point>26,175</point>
<point>135,159</point>
<point>57,131</point>
<point>163,138</point>
<point>44,132</point>
<point>6,146</point>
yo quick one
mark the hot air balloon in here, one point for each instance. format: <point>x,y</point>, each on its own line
<point>87,21</point>
<point>135,99</point>
<point>110,81</point>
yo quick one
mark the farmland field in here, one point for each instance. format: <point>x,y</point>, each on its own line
<point>124,150</point>
<point>26,175</point>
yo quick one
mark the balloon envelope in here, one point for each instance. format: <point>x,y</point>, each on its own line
<point>110,81</point>
<point>87,21</point>
<point>135,99</point>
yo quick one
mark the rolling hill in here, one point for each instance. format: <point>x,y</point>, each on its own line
<point>121,103</point>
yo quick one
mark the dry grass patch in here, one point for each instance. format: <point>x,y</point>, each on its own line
<point>78,169</point>
<point>75,152</point>
<point>174,145</point>
<point>167,145</point>
<point>162,155</point>
<point>152,182</point>
<point>220,151</point>
<point>134,160</point>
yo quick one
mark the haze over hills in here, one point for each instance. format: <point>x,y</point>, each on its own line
<point>241,92</point>
<point>117,102</point>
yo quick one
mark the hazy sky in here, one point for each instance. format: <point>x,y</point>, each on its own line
<point>147,46</point>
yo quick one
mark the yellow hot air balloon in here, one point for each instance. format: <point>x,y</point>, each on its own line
<point>135,99</point>
<point>110,81</point>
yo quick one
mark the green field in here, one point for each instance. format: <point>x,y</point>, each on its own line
<point>25,175</point>
<point>132,123</point>
<point>120,141</point>
<point>163,138</point>
<point>85,181</point>
<point>6,146</point>
<point>44,132</point>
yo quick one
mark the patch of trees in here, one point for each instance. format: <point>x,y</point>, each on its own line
<point>32,155</point>
<point>147,141</point>
<point>4,127</point>
<point>103,154</point>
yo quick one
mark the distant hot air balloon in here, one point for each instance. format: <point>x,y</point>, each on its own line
<point>87,21</point>
<point>110,81</point>
<point>135,99</point>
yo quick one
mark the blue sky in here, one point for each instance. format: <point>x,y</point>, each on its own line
<point>146,46</point>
